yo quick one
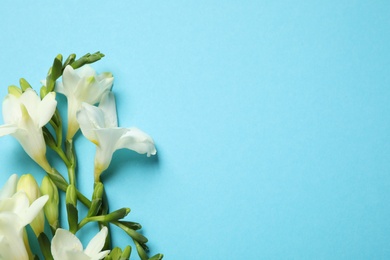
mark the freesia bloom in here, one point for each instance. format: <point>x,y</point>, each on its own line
<point>24,116</point>
<point>15,213</point>
<point>82,85</point>
<point>66,246</point>
<point>100,126</point>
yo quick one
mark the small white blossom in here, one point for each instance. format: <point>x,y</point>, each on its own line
<point>24,116</point>
<point>82,85</point>
<point>99,125</point>
<point>15,213</point>
<point>66,246</point>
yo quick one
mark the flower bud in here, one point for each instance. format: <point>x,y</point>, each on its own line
<point>126,253</point>
<point>51,206</point>
<point>28,184</point>
<point>96,199</point>
<point>71,195</point>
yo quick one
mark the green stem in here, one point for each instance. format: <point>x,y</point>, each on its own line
<point>83,199</point>
<point>71,155</point>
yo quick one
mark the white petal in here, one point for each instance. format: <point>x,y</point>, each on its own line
<point>97,243</point>
<point>8,129</point>
<point>59,87</point>
<point>11,109</point>
<point>46,108</point>
<point>11,238</point>
<point>85,71</point>
<point>90,118</point>
<point>9,187</point>
<point>31,101</point>
<point>64,241</point>
<point>101,255</point>
<point>34,209</point>
<point>16,204</point>
<point>107,139</point>
<point>138,141</point>
<point>70,79</point>
<point>108,106</point>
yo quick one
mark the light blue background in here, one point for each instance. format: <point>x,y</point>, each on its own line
<point>271,119</point>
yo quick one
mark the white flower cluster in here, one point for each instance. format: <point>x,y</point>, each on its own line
<point>92,109</point>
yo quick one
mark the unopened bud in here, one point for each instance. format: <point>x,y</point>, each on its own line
<point>28,184</point>
<point>51,206</point>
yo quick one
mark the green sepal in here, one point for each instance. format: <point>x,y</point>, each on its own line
<point>24,84</point>
<point>71,202</point>
<point>96,199</point>
<point>49,139</point>
<point>58,179</point>
<point>157,257</point>
<point>44,244</point>
<point>70,152</point>
<point>72,217</point>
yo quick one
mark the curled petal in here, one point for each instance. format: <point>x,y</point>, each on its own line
<point>138,141</point>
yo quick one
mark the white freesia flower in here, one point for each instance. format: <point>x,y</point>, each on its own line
<point>82,85</point>
<point>66,246</point>
<point>15,213</point>
<point>99,125</point>
<point>24,116</point>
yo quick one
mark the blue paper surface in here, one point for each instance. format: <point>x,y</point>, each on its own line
<point>271,119</point>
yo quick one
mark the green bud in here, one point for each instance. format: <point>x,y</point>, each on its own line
<point>86,59</point>
<point>116,215</point>
<point>28,184</point>
<point>71,195</point>
<point>51,206</point>
<point>116,253</point>
<point>56,71</point>
<point>24,84</point>
<point>14,90</point>
<point>43,92</point>
<point>69,60</point>
<point>132,225</point>
<point>126,253</point>
<point>96,199</point>
<point>141,252</point>
<point>132,233</point>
